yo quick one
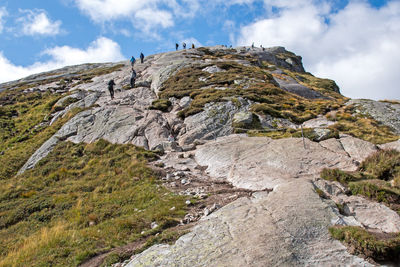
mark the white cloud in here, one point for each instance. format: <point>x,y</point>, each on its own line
<point>146,16</point>
<point>3,13</point>
<point>36,22</point>
<point>101,50</point>
<point>357,46</point>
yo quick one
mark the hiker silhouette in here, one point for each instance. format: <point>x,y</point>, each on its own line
<point>133,78</point>
<point>141,57</point>
<point>176,46</point>
<point>111,84</point>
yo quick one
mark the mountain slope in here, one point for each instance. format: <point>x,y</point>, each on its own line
<point>200,98</point>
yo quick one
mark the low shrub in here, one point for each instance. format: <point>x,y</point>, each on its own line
<point>385,247</point>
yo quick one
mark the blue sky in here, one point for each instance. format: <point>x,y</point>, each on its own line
<point>352,42</point>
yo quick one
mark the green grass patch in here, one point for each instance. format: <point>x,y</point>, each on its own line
<point>376,190</point>
<point>161,104</point>
<point>379,247</point>
<point>308,133</point>
<point>81,200</point>
<point>337,175</point>
<point>383,165</point>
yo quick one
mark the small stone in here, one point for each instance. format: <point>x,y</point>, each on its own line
<point>142,232</point>
<point>202,196</point>
<point>206,212</point>
<point>180,174</point>
<point>188,202</point>
<point>153,225</point>
<point>172,209</point>
<point>184,181</point>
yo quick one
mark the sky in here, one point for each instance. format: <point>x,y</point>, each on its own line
<point>356,42</point>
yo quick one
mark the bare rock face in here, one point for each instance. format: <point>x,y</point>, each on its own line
<point>214,121</point>
<point>392,145</point>
<point>288,226</point>
<point>356,148</point>
<point>292,86</point>
<point>386,113</point>
<point>257,231</point>
<point>260,163</point>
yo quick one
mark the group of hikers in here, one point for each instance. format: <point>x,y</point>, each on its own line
<point>111,83</point>
<point>183,45</point>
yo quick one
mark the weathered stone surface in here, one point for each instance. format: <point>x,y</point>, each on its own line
<point>356,148</point>
<point>213,69</point>
<point>259,232</point>
<point>386,113</point>
<point>260,163</point>
<point>214,121</point>
<point>365,212</point>
<point>78,95</point>
<point>391,145</point>
<point>185,102</point>
<point>44,150</point>
<point>291,85</point>
<point>243,118</point>
<point>320,121</point>
<point>321,133</point>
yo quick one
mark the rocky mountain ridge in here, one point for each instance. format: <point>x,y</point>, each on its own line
<point>236,115</point>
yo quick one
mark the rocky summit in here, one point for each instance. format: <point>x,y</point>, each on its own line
<point>215,157</point>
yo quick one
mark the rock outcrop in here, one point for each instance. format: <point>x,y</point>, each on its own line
<point>287,226</point>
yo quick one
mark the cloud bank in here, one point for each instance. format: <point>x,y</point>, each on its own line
<point>357,46</point>
<point>146,16</point>
<point>101,50</point>
<point>36,22</point>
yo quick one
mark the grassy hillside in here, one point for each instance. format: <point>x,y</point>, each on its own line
<point>79,201</point>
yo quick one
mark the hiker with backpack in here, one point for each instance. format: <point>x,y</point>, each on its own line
<point>141,57</point>
<point>132,61</point>
<point>192,46</point>
<point>184,45</point>
<point>133,78</point>
<point>111,84</point>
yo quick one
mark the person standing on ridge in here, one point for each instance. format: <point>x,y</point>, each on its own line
<point>133,78</point>
<point>192,46</point>
<point>141,57</point>
<point>176,46</point>
<point>111,84</point>
<point>132,61</point>
<point>184,45</point>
